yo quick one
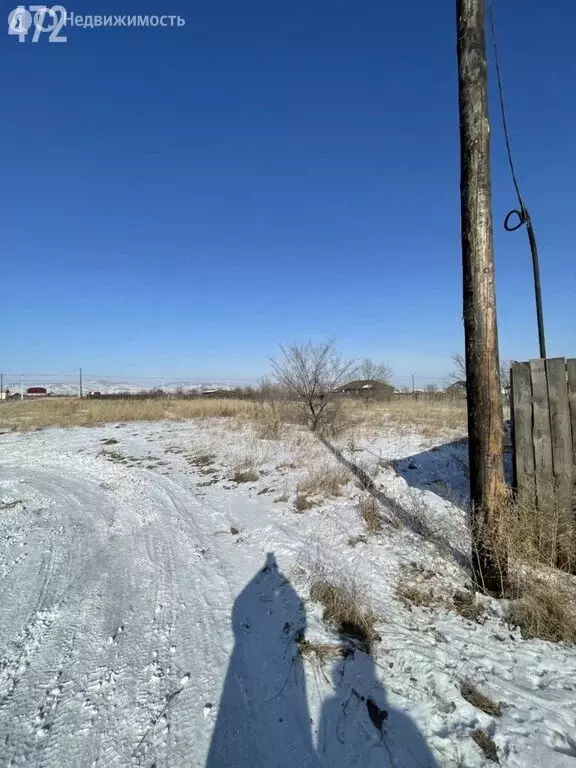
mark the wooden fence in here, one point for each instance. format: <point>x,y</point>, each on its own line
<point>543,409</point>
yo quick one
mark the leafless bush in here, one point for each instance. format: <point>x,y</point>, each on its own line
<point>369,370</point>
<point>311,374</point>
<point>270,410</point>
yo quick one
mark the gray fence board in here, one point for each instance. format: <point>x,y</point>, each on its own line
<point>560,430</point>
<point>522,444</point>
<point>544,432</point>
<point>541,435</point>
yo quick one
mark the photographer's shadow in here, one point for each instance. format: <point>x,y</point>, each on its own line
<point>263,719</point>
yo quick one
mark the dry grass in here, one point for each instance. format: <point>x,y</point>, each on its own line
<point>267,417</point>
<point>539,533</point>
<point>72,412</point>
<point>544,607</point>
<point>370,511</point>
<point>479,700</point>
<point>539,544</point>
<point>201,460</point>
<point>345,609</point>
<point>486,744</point>
<point>432,416</point>
<point>245,471</point>
<point>320,652</point>
<point>413,594</point>
<point>468,606</point>
<point>324,481</point>
<point>302,503</point>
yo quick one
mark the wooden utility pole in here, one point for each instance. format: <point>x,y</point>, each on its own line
<point>481,334</point>
<point>80,385</point>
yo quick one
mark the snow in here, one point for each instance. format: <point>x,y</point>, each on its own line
<point>137,628</point>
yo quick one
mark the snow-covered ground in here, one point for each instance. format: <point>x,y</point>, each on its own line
<point>150,609</point>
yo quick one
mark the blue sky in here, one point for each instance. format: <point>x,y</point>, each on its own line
<point>178,201</point>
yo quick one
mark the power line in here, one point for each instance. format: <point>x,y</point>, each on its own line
<point>522,212</point>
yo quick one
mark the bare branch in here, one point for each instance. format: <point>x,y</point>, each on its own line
<point>312,374</point>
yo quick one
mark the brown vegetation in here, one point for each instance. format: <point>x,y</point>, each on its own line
<point>486,744</point>
<point>346,611</point>
<point>479,700</point>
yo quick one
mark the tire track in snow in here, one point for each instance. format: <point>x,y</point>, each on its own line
<point>120,605</point>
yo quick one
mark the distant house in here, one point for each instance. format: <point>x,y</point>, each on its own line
<point>36,392</point>
<point>458,388</point>
<point>368,388</point>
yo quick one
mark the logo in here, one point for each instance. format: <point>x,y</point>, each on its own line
<point>41,19</point>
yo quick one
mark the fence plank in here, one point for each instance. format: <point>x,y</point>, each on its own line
<point>541,436</point>
<point>523,447</point>
<point>571,369</point>
<point>561,431</point>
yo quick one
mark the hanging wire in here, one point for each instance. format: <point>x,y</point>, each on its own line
<point>522,214</point>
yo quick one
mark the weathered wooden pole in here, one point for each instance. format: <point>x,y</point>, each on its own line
<point>480,327</point>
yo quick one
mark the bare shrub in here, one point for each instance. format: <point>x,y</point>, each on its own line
<point>370,511</point>
<point>369,370</point>
<point>270,411</point>
<point>311,374</point>
<point>346,610</point>
<point>486,744</point>
<point>479,700</point>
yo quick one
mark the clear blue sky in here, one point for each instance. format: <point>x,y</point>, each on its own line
<point>179,201</point>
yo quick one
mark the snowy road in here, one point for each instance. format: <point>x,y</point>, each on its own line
<point>115,595</point>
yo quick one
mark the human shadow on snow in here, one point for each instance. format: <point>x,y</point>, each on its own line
<point>263,719</point>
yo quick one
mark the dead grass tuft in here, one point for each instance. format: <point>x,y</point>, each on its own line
<point>467,605</point>
<point>411,594</point>
<point>370,511</point>
<point>302,503</point>
<point>544,607</point>
<point>201,460</point>
<point>473,696</point>
<point>346,611</point>
<point>245,471</point>
<point>325,482</point>
<point>354,540</point>
<point>320,652</point>
<point>486,744</point>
